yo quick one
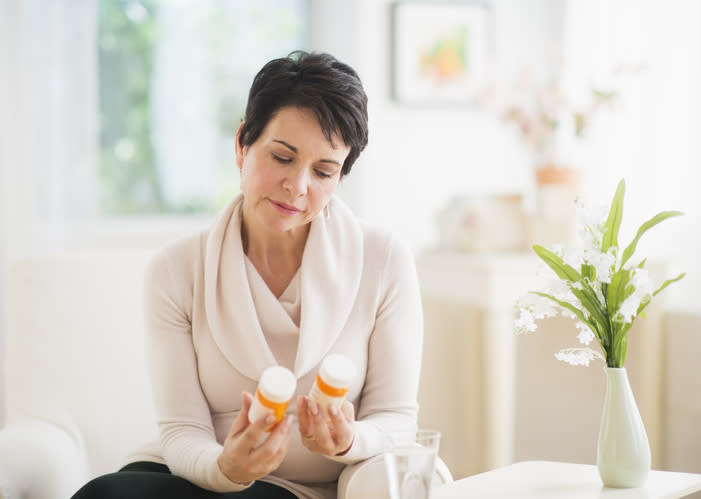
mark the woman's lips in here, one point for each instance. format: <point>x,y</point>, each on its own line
<point>285,208</point>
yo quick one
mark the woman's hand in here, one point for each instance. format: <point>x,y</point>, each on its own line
<point>325,432</point>
<point>245,458</point>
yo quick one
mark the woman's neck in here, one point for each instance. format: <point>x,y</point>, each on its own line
<point>276,255</point>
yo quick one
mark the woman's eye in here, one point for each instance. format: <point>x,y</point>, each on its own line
<point>280,159</point>
<point>323,174</point>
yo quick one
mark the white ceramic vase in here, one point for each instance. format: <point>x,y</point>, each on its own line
<point>623,452</point>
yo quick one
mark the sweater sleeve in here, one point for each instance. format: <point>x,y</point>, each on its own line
<point>388,402</point>
<point>187,435</point>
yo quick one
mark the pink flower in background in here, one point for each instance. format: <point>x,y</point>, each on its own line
<point>544,114</point>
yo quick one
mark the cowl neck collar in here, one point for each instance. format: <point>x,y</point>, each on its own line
<point>330,277</point>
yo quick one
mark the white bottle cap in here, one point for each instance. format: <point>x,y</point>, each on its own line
<point>277,384</point>
<point>337,370</point>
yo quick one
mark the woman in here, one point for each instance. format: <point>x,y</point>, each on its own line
<point>285,276</point>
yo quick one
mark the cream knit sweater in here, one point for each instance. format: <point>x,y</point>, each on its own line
<point>359,297</point>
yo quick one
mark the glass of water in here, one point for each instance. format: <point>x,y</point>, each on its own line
<point>410,462</point>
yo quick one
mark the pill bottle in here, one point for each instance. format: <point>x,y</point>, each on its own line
<point>275,389</point>
<point>331,385</point>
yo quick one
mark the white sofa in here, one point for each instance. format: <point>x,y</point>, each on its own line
<point>76,385</point>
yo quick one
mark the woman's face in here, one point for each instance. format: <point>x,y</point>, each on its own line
<point>289,173</point>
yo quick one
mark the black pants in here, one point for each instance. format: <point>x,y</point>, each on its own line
<point>145,480</point>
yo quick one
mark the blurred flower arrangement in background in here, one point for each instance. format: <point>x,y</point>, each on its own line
<point>549,119</point>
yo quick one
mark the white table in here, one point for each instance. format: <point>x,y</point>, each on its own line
<point>542,479</point>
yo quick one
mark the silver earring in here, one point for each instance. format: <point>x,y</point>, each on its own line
<point>327,213</point>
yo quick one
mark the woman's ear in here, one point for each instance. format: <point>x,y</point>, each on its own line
<point>240,150</point>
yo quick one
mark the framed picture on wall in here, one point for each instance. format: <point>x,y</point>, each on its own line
<point>439,50</point>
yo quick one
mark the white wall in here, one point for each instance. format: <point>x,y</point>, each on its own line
<point>419,156</point>
<point>652,140</point>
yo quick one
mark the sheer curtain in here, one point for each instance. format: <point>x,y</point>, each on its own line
<point>49,112</point>
<point>48,125</point>
<point>652,139</point>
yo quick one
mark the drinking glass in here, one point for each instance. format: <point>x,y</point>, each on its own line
<point>410,462</point>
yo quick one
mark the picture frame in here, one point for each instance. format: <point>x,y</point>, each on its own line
<point>440,50</point>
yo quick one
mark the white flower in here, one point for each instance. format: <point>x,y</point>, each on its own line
<point>540,307</point>
<point>567,313</point>
<point>578,356</point>
<point>603,263</point>
<point>574,257</point>
<point>525,323</point>
<point>557,249</point>
<point>628,309</point>
<point>561,290</point>
<point>640,280</point>
<point>590,238</point>
<point>593,223</point>
<point>585,335</point>
<point>592,215</point>
<point>531,308</point>
<point>599,294</point>
<point>571,256</point>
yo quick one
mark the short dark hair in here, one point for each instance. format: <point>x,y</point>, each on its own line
<point>315,81</point>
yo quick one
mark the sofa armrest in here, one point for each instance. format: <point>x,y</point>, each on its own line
<point>368,480</point>
<point>40,460</point>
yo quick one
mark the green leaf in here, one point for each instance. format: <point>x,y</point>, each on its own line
<point>560,268</point>
<point>588,299</point>
<point>643,303</point>
<point>620,333</point>
<point>586,296</point>
<point>646,301</point>
<point>660,217</point>
<point>588,272</point>
<point>573,309</point>
<point>619,350</point>
<point>668,282</point>
<point>613,222</point>
<point>615,294</point>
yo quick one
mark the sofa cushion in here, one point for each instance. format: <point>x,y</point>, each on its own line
<point>38,449</point>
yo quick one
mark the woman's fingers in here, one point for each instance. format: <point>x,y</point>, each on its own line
<point>256,431</point>
<point>255,449</point>
<point>241,421</point>
<point>271,451</point>
<point>322,433</point>
<point>250,450</point>
<point>325,431</point>
<point>342,428</point>
<point>303,421</point>
<point>348,410</point>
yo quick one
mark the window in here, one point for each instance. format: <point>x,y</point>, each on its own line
<point>173,83</point>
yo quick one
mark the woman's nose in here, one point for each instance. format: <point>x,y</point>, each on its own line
<point>296,181</point>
